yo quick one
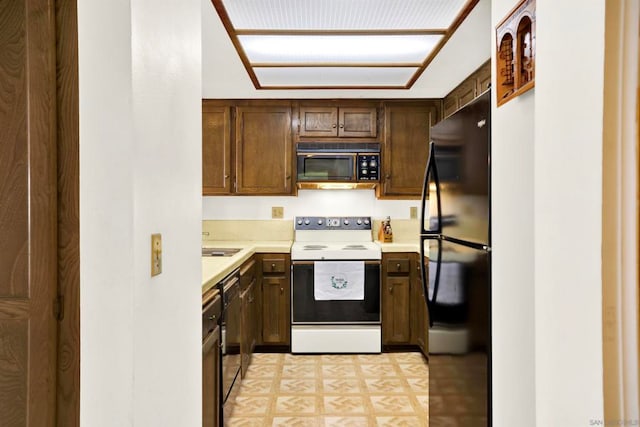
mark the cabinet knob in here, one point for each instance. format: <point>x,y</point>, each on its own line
<point>281,290</point>
<point>390,289</point>
<point>387,176</point>
<point>226,177</point>
<point>341,125</point>
<point>288,177</point>
<point>398,266</point>
<point>273,266</point>
<point>333,125</point>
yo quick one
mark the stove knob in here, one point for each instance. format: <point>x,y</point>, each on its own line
<point>359,221</point>
<point>307,222</point>
<point>319,222</point>
<point>373,163</point>
<point>366,222</point>
<point>346,222</point>
<point>364,164</point>
<point>299,222</point>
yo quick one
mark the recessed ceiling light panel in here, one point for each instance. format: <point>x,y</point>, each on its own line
<point>334,76</point>
<point>342,14</point>
<point>386,49</point>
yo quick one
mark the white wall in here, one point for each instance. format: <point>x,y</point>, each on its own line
<point>224,76</point>
<point>140,137</point>
<point>568,212</point>
<point>513,253</point>
<point>308,202</point>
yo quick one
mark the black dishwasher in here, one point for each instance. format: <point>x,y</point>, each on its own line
<point>231,358</point>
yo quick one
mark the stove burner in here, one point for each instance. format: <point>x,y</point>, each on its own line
<point>314,247</point>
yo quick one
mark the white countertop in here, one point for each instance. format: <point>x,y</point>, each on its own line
<point>215,268</point>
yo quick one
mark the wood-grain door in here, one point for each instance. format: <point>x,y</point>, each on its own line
<point>406,148</point>
<point>263,150</point>
<point>211,379</point>
<point>396,313</point>
<point>357,122</point>
<point>276,313</point>
<point>216,149</point>
<point>420,328</point>
<point>318,121</point>
<point>28,214</point>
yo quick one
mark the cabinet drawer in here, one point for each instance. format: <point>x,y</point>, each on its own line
<point>273,265</point>
<point>211,315</point>
<point>398,265</point>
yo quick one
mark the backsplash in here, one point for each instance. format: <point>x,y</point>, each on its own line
<point>307,203</point>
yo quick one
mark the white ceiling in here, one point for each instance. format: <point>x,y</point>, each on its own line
<point>224,75</point>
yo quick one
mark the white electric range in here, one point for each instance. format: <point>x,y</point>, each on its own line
<point>335,283</point>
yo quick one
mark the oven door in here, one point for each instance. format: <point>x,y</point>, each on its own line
<point>307,310</point>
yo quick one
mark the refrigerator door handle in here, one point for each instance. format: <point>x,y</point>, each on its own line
<point>431,167</point>
<point>436,280</point>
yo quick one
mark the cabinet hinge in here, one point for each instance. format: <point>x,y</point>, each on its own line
<point>58,307</point>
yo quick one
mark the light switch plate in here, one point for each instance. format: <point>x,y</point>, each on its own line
<point>277,212</point>
<point>156,254</point>
<point>413,212</point>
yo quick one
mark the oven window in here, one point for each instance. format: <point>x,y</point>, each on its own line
<point>322,168</point>
<point>305,309</point>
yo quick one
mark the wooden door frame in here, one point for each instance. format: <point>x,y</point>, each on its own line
<point>620,214</point>
<point>68,230</point>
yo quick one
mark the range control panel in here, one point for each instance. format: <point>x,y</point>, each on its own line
<point>333,223</point>
<point>367,167</point>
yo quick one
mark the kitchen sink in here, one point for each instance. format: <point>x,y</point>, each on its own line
<point>220,251</point>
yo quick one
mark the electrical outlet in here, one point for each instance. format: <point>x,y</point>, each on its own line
<point>413,212</point>
<point>156,254</point>
<point>277,212</point>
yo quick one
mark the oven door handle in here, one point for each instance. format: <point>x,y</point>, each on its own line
<point>367,261</point>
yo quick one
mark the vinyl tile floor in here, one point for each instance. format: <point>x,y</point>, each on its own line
<point>388,389</point>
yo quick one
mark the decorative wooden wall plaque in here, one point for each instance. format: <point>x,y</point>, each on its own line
<point>515,52</point>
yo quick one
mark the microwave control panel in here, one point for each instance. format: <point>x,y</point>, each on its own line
<point>368,166</point>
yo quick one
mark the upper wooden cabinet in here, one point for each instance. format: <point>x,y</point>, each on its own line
<point>343,122</point>
<point>406,147</point>
<point>470,88</point>
<point>216,149</point>
<point>263,149</point>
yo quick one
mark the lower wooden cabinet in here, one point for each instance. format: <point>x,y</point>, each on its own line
<point>404,312</point>
<point>211,380</point>
<point>276,299</point>
<point>248,317</point>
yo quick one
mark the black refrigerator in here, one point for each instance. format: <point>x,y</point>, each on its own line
<point>455,243</point>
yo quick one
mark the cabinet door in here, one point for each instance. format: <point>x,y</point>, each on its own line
<point>211,380</point>
<point>216,150</point>
<point>276,314</point>
<point>358,122</point>
<point>483,76</point>
<point>245,332</point>
<point>466,92</point>
<point>396,315</point>
<point>263,150</point>
<point>406,148</point>
<point>318,121</point>
<point>449,105</point>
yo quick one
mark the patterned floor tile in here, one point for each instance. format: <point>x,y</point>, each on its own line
<point>333,359</point>
<point>296,422</point>
<point>241,421</point>
<point>409,358</point>
<point>262,371</point>
<point>344,386</point>
<point>392,404</point>
<point>346,404</point>
<point>384,385</point>
<point>378,370</point>
<point>346,422</point>
<point>373,358</point>
<point>290,386</point>
<point>298,371</point>
<point>268,358</point>
<point>414,370</point>
<point>423,401</point>
<point>401,422</point>
<point>419,385</point>
<point>295,405</point>
<point>251,405</point>
<point>339,371</point>
<point>300,359</point>
<point>256,386</point>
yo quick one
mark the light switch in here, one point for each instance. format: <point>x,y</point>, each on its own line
<point>277,212</point>
<point>413,212</point>
<point>156,254</point>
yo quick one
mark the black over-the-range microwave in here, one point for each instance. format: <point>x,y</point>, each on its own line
<point>338,162</point>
